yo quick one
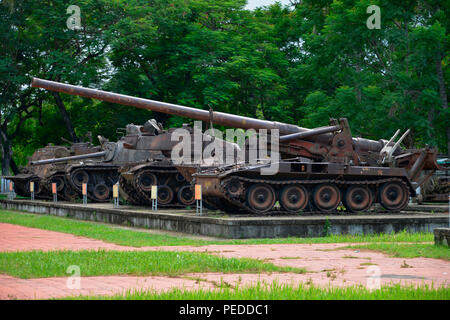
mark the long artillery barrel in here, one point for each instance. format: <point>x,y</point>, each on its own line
<point>220,118</point>
<point>65,159</point>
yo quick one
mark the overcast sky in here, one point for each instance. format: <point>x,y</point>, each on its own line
<point>252,4</point>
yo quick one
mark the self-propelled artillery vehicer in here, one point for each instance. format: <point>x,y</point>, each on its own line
<point>317,168</point>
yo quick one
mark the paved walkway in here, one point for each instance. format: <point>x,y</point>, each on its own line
<point>326,264</point>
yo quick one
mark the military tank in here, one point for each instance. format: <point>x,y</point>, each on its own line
<point>99,170</point>
<point>317,168</point>
<point>43,176</point>
<point>140,159</point>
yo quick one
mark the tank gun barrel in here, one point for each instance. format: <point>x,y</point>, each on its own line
<point>65,159</point>
<point>220,118</point>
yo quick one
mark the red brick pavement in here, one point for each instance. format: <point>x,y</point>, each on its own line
<point>327,262</point>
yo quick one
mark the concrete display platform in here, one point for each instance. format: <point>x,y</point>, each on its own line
<point>238,227</point>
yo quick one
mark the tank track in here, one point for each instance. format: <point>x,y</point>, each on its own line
<point>136,195</point>
<point>67,193</point>
<point>234,205</point>
<point>128,192</point>
<point>109,173</point>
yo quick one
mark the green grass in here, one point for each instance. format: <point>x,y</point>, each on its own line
<point>39,264</point>
<point>408,250</point>
<point>138,238</point>
<point>276,291</point>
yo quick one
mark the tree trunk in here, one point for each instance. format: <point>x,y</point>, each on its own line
<point>443,95</point>
<point>6,153</point>
<point>65,115</point>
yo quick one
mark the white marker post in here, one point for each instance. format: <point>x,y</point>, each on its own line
<point>198,200</point>
<point>84,192</point>
<point>55,193</point>
<point>32,190</point>
<point>116,195</point>
<point>154,197</point>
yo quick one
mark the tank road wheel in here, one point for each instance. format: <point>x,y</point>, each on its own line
<point>165,194</point>
<point>146,180</point>
<point>326,197</point>
<point>261,197</point>
<point>179,177</point>
<point>186,195</point>
<point>101,192</point>
<point>394,196</point>
<point>59,183</point>
<point>358,198</point>
<point>69,193</point>
<point>294,198</point>
<point>80,177</point>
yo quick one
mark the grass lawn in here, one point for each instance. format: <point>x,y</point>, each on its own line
<point>408,250</point>
<point>39,264</point>
<point>277,291</point>
<point>136,238</point>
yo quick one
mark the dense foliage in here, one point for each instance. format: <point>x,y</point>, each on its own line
<point>301,64</point>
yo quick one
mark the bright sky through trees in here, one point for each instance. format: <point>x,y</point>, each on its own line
<point>252,4</point>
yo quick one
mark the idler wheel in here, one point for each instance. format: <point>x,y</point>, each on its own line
<point>165,194</point>
<point>59,183</point>
<point>394,196</point>
<point>101,192</point>
<point>186,195</point>
<point>261,197</point>
<point>294,198</point>
<point>80,177</point>
<point>234,187</point>
<point>146,179</point>
<point>358,198</point>
<point>326,197</point>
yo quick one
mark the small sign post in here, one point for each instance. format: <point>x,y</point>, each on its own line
<point>154,197</point>
<point>55,193</point>
<point>198,199</point>
<point>116,195</point>
<point>84,192</point>
<point>11,191</point>
<point>32,190</point>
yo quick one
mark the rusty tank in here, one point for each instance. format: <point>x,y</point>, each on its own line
<point>99,170</point>
<point>43,176</point>
<point>318,169</point>
<point>140,159</point>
